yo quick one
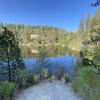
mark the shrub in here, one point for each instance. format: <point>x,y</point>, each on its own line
<point>33,78</point>
<point>6,90</point>
<point>64,78</point>
<point>44,73</point>
<point>53,76</point>
<point>37,78</point>
<point>21,78</point>
<point>58,72</point>
<point>87,84</point>
<point>30,79</point>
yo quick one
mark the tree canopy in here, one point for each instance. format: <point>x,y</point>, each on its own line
<point>10,54</point>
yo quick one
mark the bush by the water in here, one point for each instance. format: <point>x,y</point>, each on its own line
<point>33,78</point>
<point>6,90</point>
<point>87,83</point>
<point>45,73</point>
<point>64,78</point>
<point>21,80</point>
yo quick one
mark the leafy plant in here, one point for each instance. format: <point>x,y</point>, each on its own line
<point>37,78</point>
<point>44,73</point>
<point>64,78</point>
<point>30,78</point>
<point>6,90</point>
<point>87,83</point>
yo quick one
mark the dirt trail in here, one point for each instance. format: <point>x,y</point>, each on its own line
<point>48,90</point>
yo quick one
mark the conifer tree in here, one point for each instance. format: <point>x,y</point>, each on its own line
<point>81,29</point>
<point>10,54</point>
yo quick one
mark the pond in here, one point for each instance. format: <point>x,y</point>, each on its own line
<point>52,58</point>
<point>52,63</point>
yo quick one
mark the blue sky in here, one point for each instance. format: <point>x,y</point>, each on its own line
<point>64,14</point>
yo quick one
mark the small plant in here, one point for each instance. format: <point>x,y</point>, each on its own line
<point>53,76</point>
<point>30,79</point>
<point>6,90</point>
<point>44,73</point>
<point>59,72</point>
<point>21,81</point>
<point>64,78</point>
<point>36,78</point>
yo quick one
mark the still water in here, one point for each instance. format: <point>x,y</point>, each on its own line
<point>53,63</point>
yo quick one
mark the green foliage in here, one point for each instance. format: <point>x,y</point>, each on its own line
<point>44,73</point>
<point>59,72</point>
<point>10,54</point>
<point>88,53</point>
<point>21,78</point>
<point>97,55</point>
<point>6,90</point>
<point>75,45</point>
<point>81,28</point>
<point>32,34</point>
<point>91,48</point>
<point>36,77</point>
<point>30,79</point>
<point>88,27</point>
<point>87,83</point>
<point>87,80</point>
<point>34,37</point>
<point>65,78</point>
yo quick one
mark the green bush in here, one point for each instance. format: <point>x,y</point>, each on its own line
<point>87,84</point>
<point>33,78</point>
<point>37,78</point>
<point>6,90</point>
<point>30,79</point>
<point>21,81</point>
<point>64,78</point>
<point>45,74</point>
<point>59,72</point>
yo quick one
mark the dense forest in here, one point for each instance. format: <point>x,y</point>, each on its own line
<point>36,36</point>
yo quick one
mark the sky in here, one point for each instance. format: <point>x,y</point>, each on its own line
<point>65,14</point>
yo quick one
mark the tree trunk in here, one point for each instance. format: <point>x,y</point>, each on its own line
<point>9,71</point>
<point>8,64</point>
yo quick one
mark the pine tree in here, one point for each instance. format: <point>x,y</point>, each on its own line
<point>88,27</point>
<point>91,53</point>
<point>10,54</point>
<point>81,29</point>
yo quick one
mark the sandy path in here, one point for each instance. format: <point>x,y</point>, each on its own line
<point>49,90</point>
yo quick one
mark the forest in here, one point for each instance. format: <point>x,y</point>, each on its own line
<point>49,36</point>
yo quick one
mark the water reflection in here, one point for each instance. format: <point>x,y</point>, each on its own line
<point>53,58</point>
<point>33,51</point>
